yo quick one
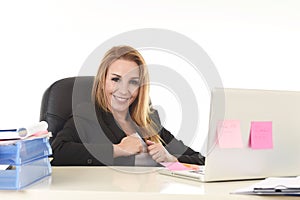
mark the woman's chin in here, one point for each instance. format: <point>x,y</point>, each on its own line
<point>120,108</point>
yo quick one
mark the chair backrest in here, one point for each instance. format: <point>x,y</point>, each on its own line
<point>57,101</point>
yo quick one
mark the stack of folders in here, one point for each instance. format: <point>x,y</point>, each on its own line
<point>24,156</point>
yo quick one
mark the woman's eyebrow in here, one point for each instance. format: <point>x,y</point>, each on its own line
<point>116,75</point>
<point>119,76</point>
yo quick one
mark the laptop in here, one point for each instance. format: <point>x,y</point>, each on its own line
<point>274,154</point>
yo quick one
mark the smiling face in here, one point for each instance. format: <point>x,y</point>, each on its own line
<point>122,85</point>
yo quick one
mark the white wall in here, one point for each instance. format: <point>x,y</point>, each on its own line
<point>253,44</point>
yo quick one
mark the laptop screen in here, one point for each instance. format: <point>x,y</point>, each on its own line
<point>253,134</point>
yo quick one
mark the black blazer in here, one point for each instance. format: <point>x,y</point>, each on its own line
<point>88,135</point>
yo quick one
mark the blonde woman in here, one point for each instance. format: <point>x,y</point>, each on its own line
<point>130,132</point>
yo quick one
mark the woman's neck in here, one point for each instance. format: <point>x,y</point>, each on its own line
<point>120,116</point>
<point>125,122</point>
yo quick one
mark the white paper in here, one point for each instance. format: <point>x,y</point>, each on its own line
<point>3,167</point>
<point>10,142</point>
<point>21,133</point>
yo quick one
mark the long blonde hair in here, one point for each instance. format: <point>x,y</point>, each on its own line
<point>140,109</point>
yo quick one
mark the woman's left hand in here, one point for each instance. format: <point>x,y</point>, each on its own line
<point>159,153</point>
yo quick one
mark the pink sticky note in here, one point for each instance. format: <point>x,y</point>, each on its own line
<point>229,134</point>
<point>174,166</point>
<point>261,135</point>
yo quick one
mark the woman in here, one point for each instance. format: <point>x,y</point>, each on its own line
<point>124,129</point>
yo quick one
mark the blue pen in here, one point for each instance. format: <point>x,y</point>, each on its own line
<point>8,130</point>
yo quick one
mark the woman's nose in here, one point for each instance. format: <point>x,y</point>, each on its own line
<point>123,88</point>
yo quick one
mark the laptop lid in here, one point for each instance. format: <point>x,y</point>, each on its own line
<point>270,118</point>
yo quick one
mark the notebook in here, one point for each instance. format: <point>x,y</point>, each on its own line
<point>253,134</point>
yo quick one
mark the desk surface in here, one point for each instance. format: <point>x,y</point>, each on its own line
<point>125,183</point>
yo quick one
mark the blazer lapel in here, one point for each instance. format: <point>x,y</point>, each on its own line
<point>109,126</point>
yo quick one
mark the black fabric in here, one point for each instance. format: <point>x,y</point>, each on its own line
<point>88,138</point>
<point>83,134</point>
<point>57,101</point>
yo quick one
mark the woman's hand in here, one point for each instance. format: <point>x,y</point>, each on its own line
<point>159,153</point>
<point>128,146</point>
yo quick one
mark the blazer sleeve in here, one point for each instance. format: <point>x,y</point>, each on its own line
<point>82,142</point>
<point>178,149</point>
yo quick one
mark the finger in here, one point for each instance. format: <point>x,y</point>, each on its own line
<point>156,156</point>
<point>153,151</point>
<point>152,147</point>
<point>160,159</point>
<point>140,148</point>
<point>149,142</point>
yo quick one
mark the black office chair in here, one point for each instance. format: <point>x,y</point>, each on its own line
<point>60,97</point>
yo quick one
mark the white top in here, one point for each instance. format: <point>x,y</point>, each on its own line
<point>143,158</point>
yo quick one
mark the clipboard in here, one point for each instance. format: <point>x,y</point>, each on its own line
<point>285,186</point>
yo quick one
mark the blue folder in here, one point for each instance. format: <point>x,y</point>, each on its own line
<point>28,161</point>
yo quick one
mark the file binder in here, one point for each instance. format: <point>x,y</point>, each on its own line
<point>20,176</point>
<point>28,163</point>
<point>24,151</point>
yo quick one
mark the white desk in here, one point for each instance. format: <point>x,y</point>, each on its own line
<point>77,183</point>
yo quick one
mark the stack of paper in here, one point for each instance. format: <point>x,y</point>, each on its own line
<point>38,130</point>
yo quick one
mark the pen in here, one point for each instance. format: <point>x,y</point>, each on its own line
<point>8,130</point>
<point>191,166</point>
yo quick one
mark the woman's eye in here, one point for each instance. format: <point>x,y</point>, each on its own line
<point>115,79</point>
<point>134,82</point>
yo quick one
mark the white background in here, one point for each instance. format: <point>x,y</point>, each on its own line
<point>253,44</point>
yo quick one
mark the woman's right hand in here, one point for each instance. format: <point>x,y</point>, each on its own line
<point>129,145</point>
